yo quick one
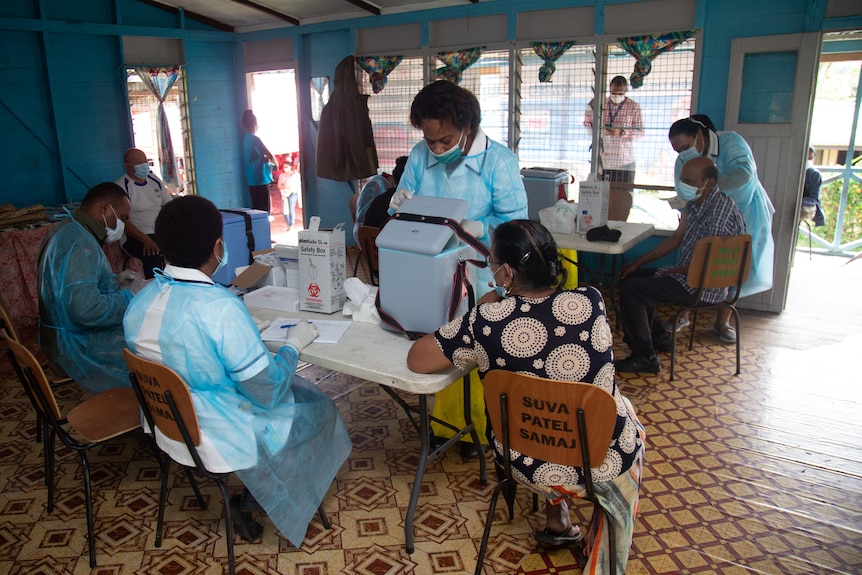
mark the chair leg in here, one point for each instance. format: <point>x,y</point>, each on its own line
<point>323,518</point>
<point>483,547</point>
<point>88,500</point>
<point>693,326</point>
<point>49,466</point>
<point>736,321</point>
<point>612,538</point>
<point>810,255</point>
<point>191,477</point>
<point>165,464</point>
<point>228,523</point>
<point>356,264</point>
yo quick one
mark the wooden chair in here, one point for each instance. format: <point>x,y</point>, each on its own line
<point>717,262</point>
<point>96,420</point>
<point>584,433</point>
<point>10,332</point>
<point>158,386</point>
<point>368,247</point>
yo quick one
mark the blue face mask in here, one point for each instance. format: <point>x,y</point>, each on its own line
<point>222,261</point>
<point>502,291</point>
<point>687,192</point>
<point>689,154</point>
<point>452,154</point>
<point>142,170</point>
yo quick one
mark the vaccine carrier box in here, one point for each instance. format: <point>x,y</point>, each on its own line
<point>321,268</point>
<point>544,187</point>
<point>236,239</point>
<point>416,279</point>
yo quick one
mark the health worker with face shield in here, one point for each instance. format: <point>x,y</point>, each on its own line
<point>696,137</point>
<point>708,212</point>
<point>457,160</point>
<point>282,436</point>
<point>81,300</point>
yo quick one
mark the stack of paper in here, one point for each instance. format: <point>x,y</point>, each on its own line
<point>330,331</point>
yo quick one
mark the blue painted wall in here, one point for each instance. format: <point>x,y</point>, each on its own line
<point>63,116</point>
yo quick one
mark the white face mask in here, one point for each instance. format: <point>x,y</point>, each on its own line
<point>687,192</point>
<point>618,98</point>
<point>114,234</point>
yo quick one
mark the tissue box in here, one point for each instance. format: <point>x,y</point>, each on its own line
<point>593,198</point>
<point>273,297</point>
<point>322,268</point>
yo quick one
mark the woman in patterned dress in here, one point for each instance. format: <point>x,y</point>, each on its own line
<point>530,325</point>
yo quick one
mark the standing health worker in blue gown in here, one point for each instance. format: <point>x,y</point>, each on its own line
<point>457,160</point>
<point>737,178</point>
<point>284,438</point>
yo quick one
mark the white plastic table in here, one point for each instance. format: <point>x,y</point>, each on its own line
<point>369,352</point>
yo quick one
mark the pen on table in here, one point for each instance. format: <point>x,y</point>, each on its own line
<point>287,325</point>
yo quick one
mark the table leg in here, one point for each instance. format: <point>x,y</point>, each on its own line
<point>420,473</point>
<point>426,456</point>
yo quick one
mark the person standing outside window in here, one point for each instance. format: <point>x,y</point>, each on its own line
<point>622,124</point>
<point>259,163</point>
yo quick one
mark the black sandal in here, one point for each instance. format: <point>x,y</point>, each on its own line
<point>243,522</point>
<point>551,539</point>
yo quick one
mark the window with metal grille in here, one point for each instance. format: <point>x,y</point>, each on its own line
<point>664,98</point>
<point>390,110</point>
<point>544,122</point>
<point>551,118</point>
<point>143,107</point>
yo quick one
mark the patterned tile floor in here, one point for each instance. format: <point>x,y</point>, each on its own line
<point>757,473</point>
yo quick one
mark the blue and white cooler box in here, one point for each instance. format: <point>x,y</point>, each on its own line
<point>237,239</point>
<point>418,262</point>
<point>544,187</point>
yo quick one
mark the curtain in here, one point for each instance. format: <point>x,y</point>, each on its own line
<point>159,81</point>
<point>456,62</point>
<point>550,52</point>
<point>645,49</point>
<point>378,68</point>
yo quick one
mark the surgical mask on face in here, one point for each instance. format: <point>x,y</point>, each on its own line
<point>452,154</point>
<point>222,261</point>
<point>618,98</point>
<point>142,170</point>
<point>687,192</point>
<point>501,291</point>
<point>689,154</point>
<point>115,233</point>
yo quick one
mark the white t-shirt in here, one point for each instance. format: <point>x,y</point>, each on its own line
<point>147,199</point>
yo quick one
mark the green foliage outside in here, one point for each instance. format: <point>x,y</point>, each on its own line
<point>830,196</point>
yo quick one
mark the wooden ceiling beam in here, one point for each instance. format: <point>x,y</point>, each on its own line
<point>191,15</point>
<point>270,11</point>
<point>367,6</point>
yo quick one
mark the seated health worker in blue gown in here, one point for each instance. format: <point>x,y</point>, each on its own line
<point>81,300</point>
<point>457,160</point>
<point>284,438</point>
<point>537,328</point>
<point>737,178</point>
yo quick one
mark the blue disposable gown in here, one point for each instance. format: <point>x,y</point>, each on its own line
<point>737,178</point>
<point>488,178</point>
<point>82,306</point>
<point>284,438</point>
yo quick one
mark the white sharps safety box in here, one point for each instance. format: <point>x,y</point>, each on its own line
<point>544,187</point>
<point>418,262</point>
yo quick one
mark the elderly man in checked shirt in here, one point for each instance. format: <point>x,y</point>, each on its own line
<point>708,212</point>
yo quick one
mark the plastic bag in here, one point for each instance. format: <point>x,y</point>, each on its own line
<point>277,275</point>
<point>560,218</point>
